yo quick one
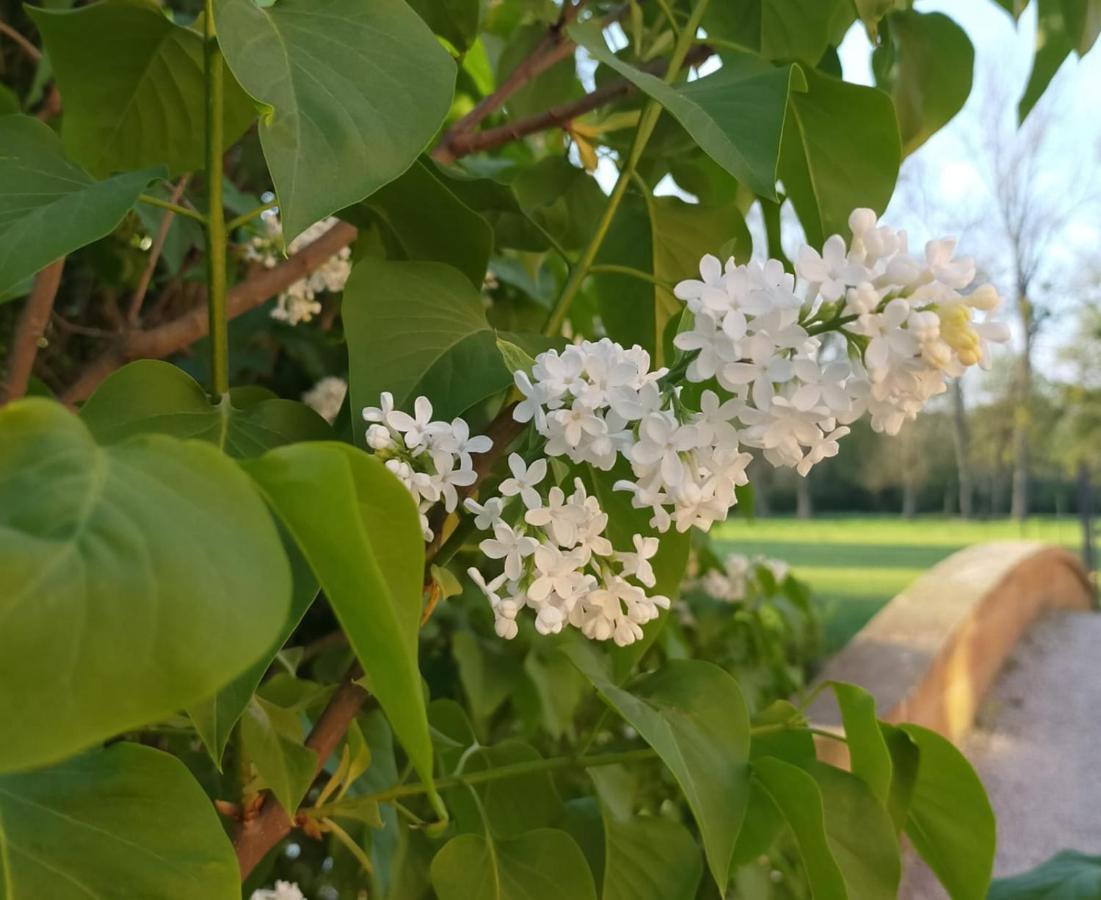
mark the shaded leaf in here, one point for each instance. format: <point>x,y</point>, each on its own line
<point>455,20</point>
<point>48,205</point>
<point>133,87</point>
<point>544,864</point>
<point>272,738</point>
<point>1068,875</point>
<point>150,396</point>
<point>871,760</point>
<point>926,65</point>
<point>418,328</point>
<point>736,114</point>
<point>779,29</point>
<point>692,713</point>
<point>649,859</point>
<point>128,818</point>
<point>829,127</point>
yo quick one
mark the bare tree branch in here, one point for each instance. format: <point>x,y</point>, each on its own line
<point>133,313</point>
<point>25,45</point>
<point>29,330</point>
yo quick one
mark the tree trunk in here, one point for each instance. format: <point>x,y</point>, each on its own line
<point>1019,503</point>
<point>804,505</point>
<point>960,444</point>
<point>909,499</point>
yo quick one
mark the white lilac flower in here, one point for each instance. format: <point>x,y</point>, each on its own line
<point>283,890</point>
<point>299,303</point>
<point>524,480</point>
<point>431,458</point>
<point>326,397</point>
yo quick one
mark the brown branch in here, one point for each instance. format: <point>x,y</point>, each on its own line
<point>271,823</point>
<point>138,297</point>
<point>178,333</point>
<point>29,330</point>
<point>554,48</point>
<point>25,45</point>
<point>558,116</point>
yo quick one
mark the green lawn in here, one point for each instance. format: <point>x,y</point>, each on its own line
<point>855,564</point>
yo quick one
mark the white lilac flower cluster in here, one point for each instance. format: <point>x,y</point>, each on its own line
<point>730,584</point>
<point>558,562</point>
<point>771,343</point>
<point>431,458</point>
<point>283,890</point>
<point>299,303</point>
<point>326,397</point>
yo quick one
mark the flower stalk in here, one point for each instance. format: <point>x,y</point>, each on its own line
<point>215,215</point>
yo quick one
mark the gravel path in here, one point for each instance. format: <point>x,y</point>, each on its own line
<point>1037,747</point>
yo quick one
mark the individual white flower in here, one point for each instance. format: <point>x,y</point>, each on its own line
<point>832,271</point>
<point>489,588</point>
<point>637,564</point>
<point>536,395</point>
<point>559,518</point>
<point>661,439</point>
<point>511,546</point>
<point>414,427</point>
<point>485,515</point>
<point>557,573</point>
<point>456,439</point>
<point>379,437</point>
<point>382,412</point>
<point>524,480</point>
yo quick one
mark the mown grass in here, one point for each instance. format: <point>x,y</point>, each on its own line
<point>855,564</point>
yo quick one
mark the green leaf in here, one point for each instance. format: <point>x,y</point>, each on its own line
<point>871,12</point>
<point>544,864</point>
<point>128,820</point>
<point>905,759</point>
<point>272,738</point>
<point>456,21</point>
<point>419,328</point>
<point>133,87</point>
<point>354,91</point>
<point>214,717</point>
<point>486,675</point>
<point>510,807</point>
<point>778,29</point>
<point>736,114</point>
<point>860,835</point>
<point>48,206</point>
<point>829,128</point>
<point>951,824</point>
<point>154,397</point>
<point>665,237</point>
<point>9,102</point>
<point>368,553</point>
<point>429,222</point>
<point>871,760</point>
<point>159,558</point>
<point>927,66</point>
<point>1068,875</point>
<point>561,199</point>
<point>1062,27</point>
<point>692,713</point>
<point>649,859</point>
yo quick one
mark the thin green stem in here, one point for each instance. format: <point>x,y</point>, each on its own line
<point>646,123</point>
<point>517,770</point>
<point>215,217</point>
<point>235,223</point>
<point>175,207</point>
<point>611,269</point>
<point>834,324</point>
<point>669,17</point>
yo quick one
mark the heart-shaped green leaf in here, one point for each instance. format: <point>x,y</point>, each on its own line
<point>48,206</point>
<point>125,821</point>
<point>138,578</point>
<point>133,87</point>
<point>354,93</point>
<point>418,328</point>
<point>154,397</point>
